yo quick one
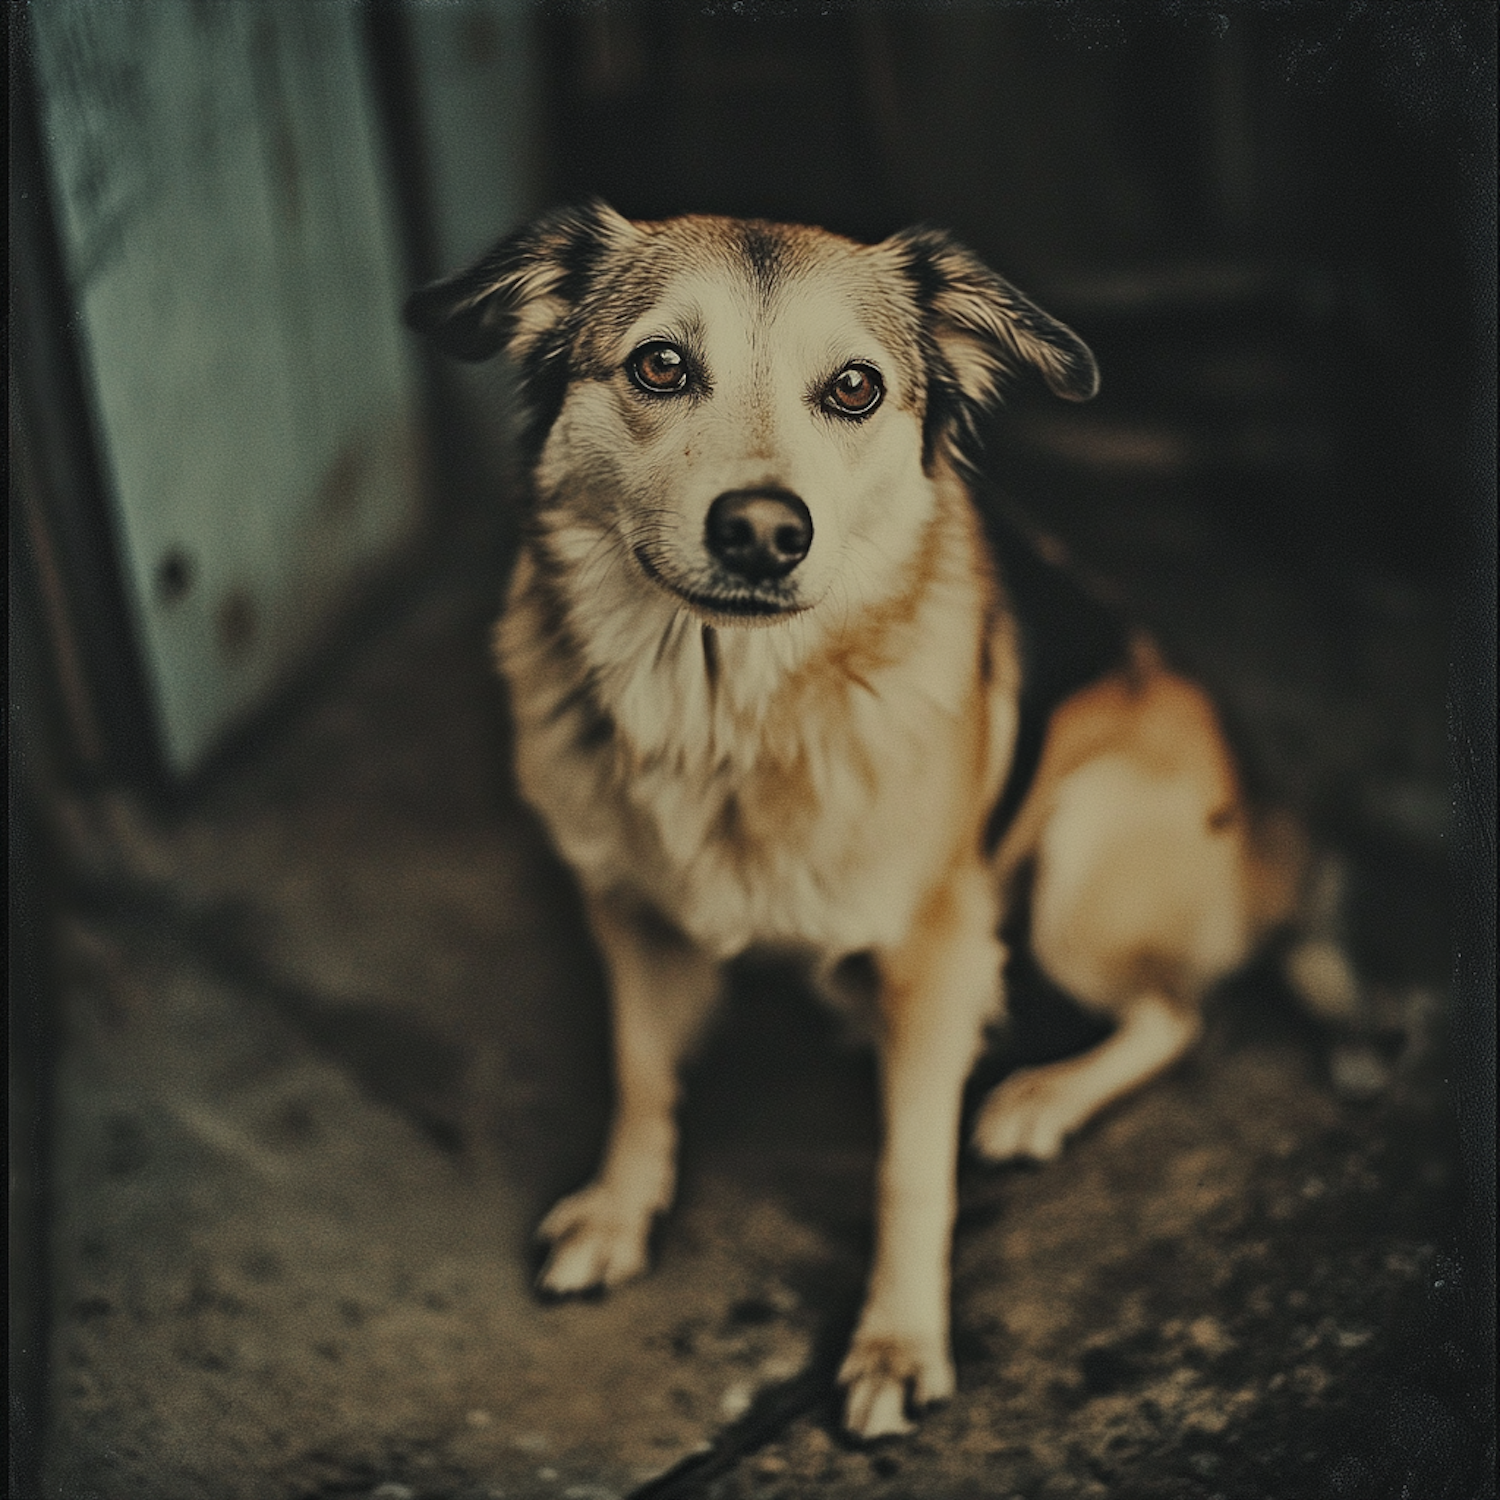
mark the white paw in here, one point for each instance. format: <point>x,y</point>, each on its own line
<point>886,1375</point>
<point>597,1240</point>
<point>1030,1114</point>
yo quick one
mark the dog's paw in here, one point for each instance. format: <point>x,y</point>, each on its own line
<point>597,1241</point>
<point>886,1376</point>
<point>1030,1115</point>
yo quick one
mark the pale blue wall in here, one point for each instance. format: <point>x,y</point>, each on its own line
<point>233,257</point>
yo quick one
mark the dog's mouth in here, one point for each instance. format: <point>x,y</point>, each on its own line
<point>764,602</point>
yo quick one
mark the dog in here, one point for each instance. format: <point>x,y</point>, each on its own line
<point>784,676</point>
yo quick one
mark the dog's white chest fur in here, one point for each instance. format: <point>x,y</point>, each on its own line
<point>759,786</point>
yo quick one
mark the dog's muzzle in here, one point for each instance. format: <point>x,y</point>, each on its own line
<point>758,535</point>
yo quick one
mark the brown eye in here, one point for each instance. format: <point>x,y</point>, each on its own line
<point>854,392</point>
<point>659,368</point>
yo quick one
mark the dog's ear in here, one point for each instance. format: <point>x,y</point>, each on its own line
<point>517,294</point>
<point>983,328</point>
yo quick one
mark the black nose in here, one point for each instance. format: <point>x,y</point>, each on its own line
<point>758,534</point>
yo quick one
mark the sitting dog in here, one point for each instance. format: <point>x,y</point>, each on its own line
<point>784,677</point>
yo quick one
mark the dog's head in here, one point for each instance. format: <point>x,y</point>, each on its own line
<point>747,414</point>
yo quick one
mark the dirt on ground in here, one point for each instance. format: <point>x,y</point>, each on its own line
<point>332,1038</point>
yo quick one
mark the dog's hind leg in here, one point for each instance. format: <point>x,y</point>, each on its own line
<point>1138,907</point>
<point>1032,1112</point>
<point>661,991</point>
<point>936,992</point>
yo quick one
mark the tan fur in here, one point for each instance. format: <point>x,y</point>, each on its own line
<point>818,777</point>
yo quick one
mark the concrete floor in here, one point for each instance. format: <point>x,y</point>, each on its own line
<point>332,1040</point>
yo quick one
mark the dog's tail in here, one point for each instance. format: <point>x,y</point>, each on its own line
<point>1298,893</point>
<point>1300,896</point>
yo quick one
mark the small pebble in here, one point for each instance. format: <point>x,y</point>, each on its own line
<point>1210,1335</point>
<point>735,1402</point>
<point>390,1490</point>
<point>1358,1072</point>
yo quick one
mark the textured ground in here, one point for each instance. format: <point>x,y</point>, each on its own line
<point>333,1040</point>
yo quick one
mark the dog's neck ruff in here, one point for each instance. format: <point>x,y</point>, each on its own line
<point>712,698</point>
<point>796,782</point>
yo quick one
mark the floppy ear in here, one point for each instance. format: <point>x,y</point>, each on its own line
<point>518,294</point>
<point>982,331</point>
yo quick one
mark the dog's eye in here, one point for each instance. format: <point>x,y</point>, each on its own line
<point>854,392</point>
<point>659,368</point>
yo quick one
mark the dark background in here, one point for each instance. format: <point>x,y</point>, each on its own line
<point>1264,217</point>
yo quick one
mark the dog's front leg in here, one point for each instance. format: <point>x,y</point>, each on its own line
<point>936,991</point>
<point>661,990</point>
